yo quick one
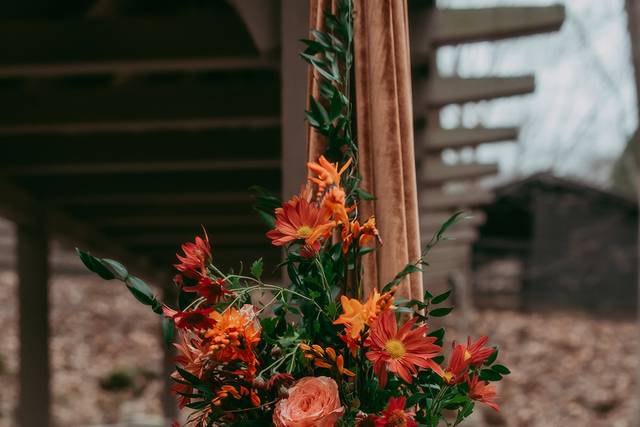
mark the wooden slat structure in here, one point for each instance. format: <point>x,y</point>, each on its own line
<point>126,124</point>
<point>446,188</point>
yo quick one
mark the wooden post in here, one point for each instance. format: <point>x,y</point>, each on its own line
<point>294,26</point>
<point>33,274</point>
<point>633,22</point>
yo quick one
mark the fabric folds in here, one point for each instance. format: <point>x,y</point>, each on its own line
<point>384,117</point>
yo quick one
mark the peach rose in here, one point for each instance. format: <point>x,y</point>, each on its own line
<point>312,402</point>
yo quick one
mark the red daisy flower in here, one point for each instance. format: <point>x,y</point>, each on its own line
<point>483,391</point>
<point>477,353</point>
<point>191,319</point>
<point>212,290</point>
<point>395,414</point>
<point>400,351</point>
<point>458,365</point>
<point>196,257</point>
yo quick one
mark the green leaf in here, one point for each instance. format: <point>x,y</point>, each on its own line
<point>319,112</point>
<point>489,375</point>
<point>493,356</point>
<point>95,264</point>
<point>364,195</point>
<point>336,107</point>
<point>415,398</point>
<point>441,298</point>
<point>118,270</point>
<point>167,330</point>
<point>318,65</point>
<point>439,235</point>
<point>322,38</point>
<point>257,268</point>
<point>501,369</point>
<point>438,333</point>
<point>188,376</point>
<point>140,290</point>
<point>440,312</point>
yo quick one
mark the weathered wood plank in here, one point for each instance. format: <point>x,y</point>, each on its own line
<point>440,139</point>
<point>455,26</point>
<point>438,174</point>
<point>210,101</point>
<point>153,199</point>
<point>432,200</point>
<point>141,167</point>
<point>128,45</point>
<point>441,91</point>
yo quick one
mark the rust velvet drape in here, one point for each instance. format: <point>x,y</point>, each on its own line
<point>384,117</point>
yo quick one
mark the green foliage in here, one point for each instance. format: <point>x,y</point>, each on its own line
<point>109,269</point>
<point>297,320</point>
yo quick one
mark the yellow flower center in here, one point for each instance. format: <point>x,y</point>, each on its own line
<point>467,355</point>
<point>304,231</point>
<point>395,348</point>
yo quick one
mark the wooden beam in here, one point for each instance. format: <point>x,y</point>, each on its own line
<point>128,45</point>
<point>208,102</point>
<point>453,26</point>
<point>136,67</point>
<point>34,401</point>
<point>434,140</point>
<point>220,145</point>
<point>436,200</point>
<point>129,221</point>
<point>252,122</point>
<point>438,174</point>
<point>142,167</point>
<point>242,240</point>
<point>149,199</point>
<point>51,186</point>
<point>442,91</point>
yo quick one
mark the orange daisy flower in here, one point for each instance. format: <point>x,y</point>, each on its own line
<point>300,220</point>
<point>327,173</point>
<point>196,257</point>
<point>483,391</point>
<point>399,351</point>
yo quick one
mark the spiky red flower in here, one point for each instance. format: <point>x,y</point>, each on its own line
<point>400,351</point>
<point>458,365</point>
<point>478,354</point>
<point>395,414</point>
<point>212,290</point>
<point>482,391</point>
<point>198,319</point>
<point>197,256</point>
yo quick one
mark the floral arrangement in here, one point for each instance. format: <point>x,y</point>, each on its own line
<point>316,352</point>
